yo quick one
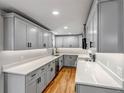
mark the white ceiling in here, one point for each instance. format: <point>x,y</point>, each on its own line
<point>73,13</point>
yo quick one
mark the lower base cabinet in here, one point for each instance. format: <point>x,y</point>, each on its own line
<point>92,89</point>
<point>70,60</point>
<point>32,87</point>
<point>61,62</point>
<point>34,82</point>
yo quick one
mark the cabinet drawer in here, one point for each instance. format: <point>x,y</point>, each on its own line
<point>42,69</point>
<point>32,76</point>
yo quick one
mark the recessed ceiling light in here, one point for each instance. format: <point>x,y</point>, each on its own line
<point>55,12</point>
<point>65,27</point>
<point>55,33</point>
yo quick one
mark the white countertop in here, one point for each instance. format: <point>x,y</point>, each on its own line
<point>91,73</point>
<point>26,68</point>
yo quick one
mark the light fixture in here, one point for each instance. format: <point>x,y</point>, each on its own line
<point>55,33</point>
<point>45,34</point>
<point>65,27</point>
<point>33,29</point>
<point>55,13</point>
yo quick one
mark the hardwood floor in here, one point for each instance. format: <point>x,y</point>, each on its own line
<point>64,82</point>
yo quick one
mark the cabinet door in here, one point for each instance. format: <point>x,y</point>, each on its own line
<point>59,42</point>
<point>20,35</point>
<point>110,26</point>
<point>45,39</point>
<point>32,36</point>
<point>61,62</point>
<point>48,73</point>
<point>73,41</point>
<point>1,33</point>
<point>50,40</point>
<point>40,39</point>
<point>41,83</point>
<point>52,70</point>
<point>32,87</point>
<point>66,42</point>
<point>69,60</point>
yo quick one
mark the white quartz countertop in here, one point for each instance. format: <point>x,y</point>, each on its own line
<point>91,73</point>
<point>28,67</point>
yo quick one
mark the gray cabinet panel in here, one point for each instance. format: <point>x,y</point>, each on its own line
<point>59,42</point>
<point>70,60</point>
<point>40,38</point>
<point>109,18</point>
<point>67,41</point>
<point>1,32</point>
<point>20,34</point>
<point>32,88</point>
<point>32,36</point>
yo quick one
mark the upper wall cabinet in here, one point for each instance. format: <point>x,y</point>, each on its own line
<point>47,40</point>
<point>91,27</point>
<point>22,34</point>
<point>1,31</point>
<point>104,26</point>
<point>67,41</point>
<point>110,26</point>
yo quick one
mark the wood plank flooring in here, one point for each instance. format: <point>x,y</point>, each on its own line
<point>64,82</point>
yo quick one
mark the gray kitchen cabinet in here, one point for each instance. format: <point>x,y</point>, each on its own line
<point>45,40</point>
<point>40,38</point>
<point>1,31</point>
<point>67,41</point>
<point>110,26</point>
<point>34,82</point>
<point>42,79</point>
<point>105,26</point>
<point>59,42</point>
<point>22,34</point>
<point>32,36</point>
<point>91,27</point>
<point>61,62</point>
<point>48,73</point>
<point>50,40</point>
<point>52,70</point>
<point>70,60</point>
<point>91,89</point>
<point>32,87</point>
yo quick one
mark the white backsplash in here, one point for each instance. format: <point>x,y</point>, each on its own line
<point>114,61</point>
<point>10,57</point>
<point>72,50</point>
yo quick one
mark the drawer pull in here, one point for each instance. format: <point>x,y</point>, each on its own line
<point>33,75</point>
<point>42,69</point>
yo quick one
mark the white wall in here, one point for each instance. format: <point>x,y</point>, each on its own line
<point>114,61</point>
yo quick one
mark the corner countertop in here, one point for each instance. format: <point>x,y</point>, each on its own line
<point>28,67</point>
<point>92,74</point>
